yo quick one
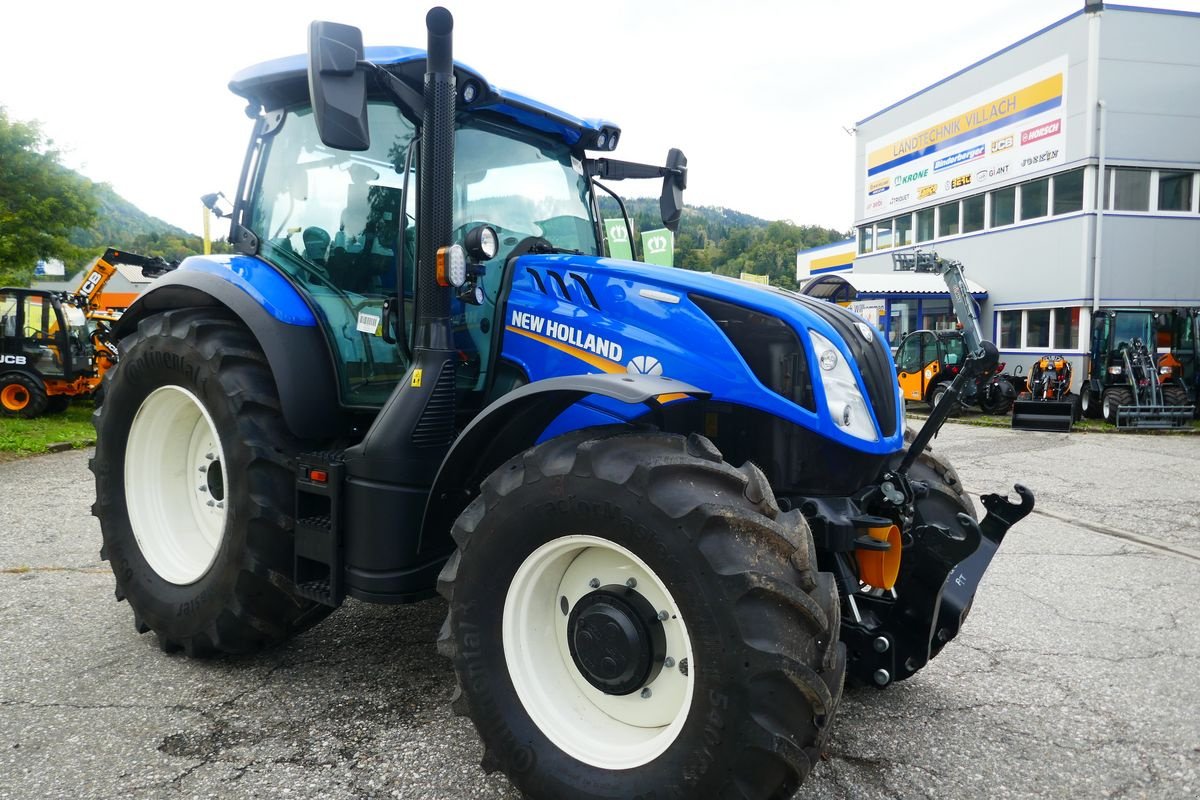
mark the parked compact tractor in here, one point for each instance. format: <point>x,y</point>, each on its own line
<point>1047,403</point>
<point>45,357</point>
<point>1180,368</point>
<point>420,375</point>
<point>1124,385</point>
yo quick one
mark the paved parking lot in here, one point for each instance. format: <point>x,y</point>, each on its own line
<point>1075,676</point>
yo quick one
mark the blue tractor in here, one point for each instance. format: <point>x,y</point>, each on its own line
<point>420,374</point>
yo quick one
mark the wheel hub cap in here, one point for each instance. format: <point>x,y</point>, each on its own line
<point>616,640</point>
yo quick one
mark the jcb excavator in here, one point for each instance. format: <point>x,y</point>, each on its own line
<point>55,346</point>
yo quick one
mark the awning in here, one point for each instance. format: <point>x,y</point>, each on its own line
<point>845,286</point>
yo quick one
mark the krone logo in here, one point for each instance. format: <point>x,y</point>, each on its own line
<point>656,244</point>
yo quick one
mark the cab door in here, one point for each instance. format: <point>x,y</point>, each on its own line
<point>914,371</point>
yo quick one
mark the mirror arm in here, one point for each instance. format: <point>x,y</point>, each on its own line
<point>613,170</point>
<point>402,94</point>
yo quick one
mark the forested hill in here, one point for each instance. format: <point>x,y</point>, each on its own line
<point>121,224</point>
<point>728,242</point>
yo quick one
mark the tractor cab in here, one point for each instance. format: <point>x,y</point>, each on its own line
<point>44,351</point>
<point>926,359</point>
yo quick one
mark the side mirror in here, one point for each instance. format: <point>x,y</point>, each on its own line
<point>670,204</point>
<point>337,86</point>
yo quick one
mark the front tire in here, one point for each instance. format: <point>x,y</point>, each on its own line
<point>1112,400</point>
<point>21,396</point>
<point>556,680</point>
<point>193,489</point>
<point>1089,405</point>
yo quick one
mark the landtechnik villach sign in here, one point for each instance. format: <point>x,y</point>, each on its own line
<point>1015,128</point>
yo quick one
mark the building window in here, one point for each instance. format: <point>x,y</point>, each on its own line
<point>1066,328</point>
<point>1035,197</point>
<point>904,230</point>
<point>883,235</point>
<point>1130,189</point>
<point>925,224</point>
<point>1004,202</point>
<point>1037,327</point>
<point>865,239</point>
<point>972,214</point>
<point>1009,324</point>
<point>1174,191</point>
<point>948,220</point>
<point>1068,192</point>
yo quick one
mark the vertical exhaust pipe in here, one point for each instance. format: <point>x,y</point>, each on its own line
<point>420,413</point>
<point>436,207</point>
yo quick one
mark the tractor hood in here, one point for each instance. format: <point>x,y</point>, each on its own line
<point>569,311</point>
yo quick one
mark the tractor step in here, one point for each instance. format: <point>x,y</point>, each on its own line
<point>1043,415</point>
<point>1154,416</point>
<point>318,540</point>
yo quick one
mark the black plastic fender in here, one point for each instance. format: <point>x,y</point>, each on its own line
<point>512,424</point>
<point>298,355</point>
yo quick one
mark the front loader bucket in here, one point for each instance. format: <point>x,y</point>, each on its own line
<point>1043,415</point>
<point>1154,416</point>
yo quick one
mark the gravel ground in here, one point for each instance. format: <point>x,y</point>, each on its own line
<point>1072,677</point>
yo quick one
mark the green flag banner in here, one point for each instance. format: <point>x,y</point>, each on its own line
<point>619,245</point>
<point>658,247</point>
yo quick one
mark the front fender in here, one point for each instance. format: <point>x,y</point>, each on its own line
<point>513,424</point>
<point>284,326</point>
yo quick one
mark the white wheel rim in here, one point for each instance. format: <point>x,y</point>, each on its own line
<point>604,730</point>
<point>176,484</point>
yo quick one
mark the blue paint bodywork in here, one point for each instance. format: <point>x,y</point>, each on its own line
<point>261,281</point>
<point>524,110</point>
<point>678,335</point>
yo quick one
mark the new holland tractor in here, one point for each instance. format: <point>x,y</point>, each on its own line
<point>669,512</point>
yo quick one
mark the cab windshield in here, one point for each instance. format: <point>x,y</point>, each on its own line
<point>332,219</point>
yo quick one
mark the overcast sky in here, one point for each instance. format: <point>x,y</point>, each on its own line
<point>755,93</point>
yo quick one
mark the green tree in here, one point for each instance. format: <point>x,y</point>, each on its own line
<point>41,202</point>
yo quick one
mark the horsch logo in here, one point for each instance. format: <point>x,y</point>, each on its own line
<point>1041,132</point>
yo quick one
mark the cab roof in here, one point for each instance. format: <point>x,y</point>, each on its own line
<point>283,82</point>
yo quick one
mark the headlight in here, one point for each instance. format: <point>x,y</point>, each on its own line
<point>847,407</point>
<point>1114,370</point>
<point>1165,370</point>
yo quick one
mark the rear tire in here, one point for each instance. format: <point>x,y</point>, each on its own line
<point>194,490</point>
<point>21,396</point>
<point>935,399</point>
<point>1113,398</point>
<point>744,601</point>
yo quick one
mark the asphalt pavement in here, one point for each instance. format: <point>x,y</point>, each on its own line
<point>1073,676</point>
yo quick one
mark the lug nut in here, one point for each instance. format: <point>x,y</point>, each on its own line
<point>882,676</point>
<point>668,662</point>
<point>646,693</point>
<point>211,503</point>
<point>880,644</point>
<point>209,456</point>
<point>202,488</point>
<point>631,583</point>
<point>594,583</point>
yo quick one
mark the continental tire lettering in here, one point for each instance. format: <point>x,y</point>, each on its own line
<point>156,359</point>
<point>517,756</point>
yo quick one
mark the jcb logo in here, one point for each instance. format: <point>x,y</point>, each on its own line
<point>17,360</point>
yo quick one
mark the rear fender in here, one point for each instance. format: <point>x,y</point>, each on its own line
<point>515,423</point>
<point>295,348</point>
